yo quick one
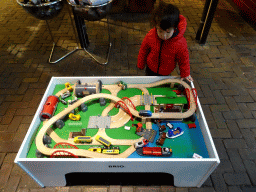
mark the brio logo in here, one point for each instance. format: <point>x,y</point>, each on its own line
<point>116,166</point>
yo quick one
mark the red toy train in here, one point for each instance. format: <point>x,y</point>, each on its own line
<point>154,151</point>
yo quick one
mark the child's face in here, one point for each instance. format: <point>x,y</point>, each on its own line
<point>164,34</point>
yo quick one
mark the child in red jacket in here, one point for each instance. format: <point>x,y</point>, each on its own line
<point>164,45</point>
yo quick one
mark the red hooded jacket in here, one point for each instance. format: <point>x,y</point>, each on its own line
<point>164,56</point>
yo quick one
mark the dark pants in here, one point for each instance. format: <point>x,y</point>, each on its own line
<point>151,73</point>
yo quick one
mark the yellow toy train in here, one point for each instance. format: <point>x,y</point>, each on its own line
<point>106,150</point>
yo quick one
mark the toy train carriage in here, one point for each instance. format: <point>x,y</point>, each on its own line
<point>157,151</point>
<point>111,151</point>
<point>106,150</point>
<point>83,139</point>
<point>102,140</point>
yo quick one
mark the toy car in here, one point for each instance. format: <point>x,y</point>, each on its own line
<point>161,139</point>
<point>74,117</point>
<point>141,143</point>
<point>145,113</point>
<point>68,86</point>
<point>65,95</point>
<point>122,85</point>
<point>162,128</point>
<point>169,125</point>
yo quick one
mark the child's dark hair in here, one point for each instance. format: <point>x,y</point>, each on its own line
<point>166,16</point>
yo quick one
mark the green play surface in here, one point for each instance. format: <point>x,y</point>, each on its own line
<point>94,109</point>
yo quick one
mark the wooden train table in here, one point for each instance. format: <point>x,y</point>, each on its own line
<point>117,124</point>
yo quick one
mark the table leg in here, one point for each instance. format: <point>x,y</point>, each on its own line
<point>81,30</point>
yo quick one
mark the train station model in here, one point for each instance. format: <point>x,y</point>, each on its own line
<point>120,120</point>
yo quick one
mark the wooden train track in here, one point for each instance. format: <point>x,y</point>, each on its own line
<point>113,89</point>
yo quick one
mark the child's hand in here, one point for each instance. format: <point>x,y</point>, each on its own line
<point>189,78</point>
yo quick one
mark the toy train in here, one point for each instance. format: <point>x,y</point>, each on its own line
<point>83,139</point>
<point>106,150</point>
<point>102,140</point>
<point>154,151</point>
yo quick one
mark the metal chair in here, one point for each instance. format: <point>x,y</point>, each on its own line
<point>93,13</point>
<point>46,11</point>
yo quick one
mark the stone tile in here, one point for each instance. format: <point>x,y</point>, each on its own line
<point>95,188</point>
<point>246,123</point>
<point>252,94</point>
<point>21,132</point>
<point>245,110</point>
<point>207,100</point>
<point>251,106</point>
<point>235,143</point>
<point>248,188</point>
<point>6,136</point>
<point>207,183</point>
<point>61,189</point>
<point>27,182</point>
<point>236,160</point>
<point>232,115</point>
<point>148,189</point>
<point>224,166</point>
<point>28,111</point>
<point>220,149</point>
<point>248,154</point>
<point>182,189</point>
<point>15,124</point>
<point>12,183</point>
<point>231,103</point>
<point>53,189</point>
<point>2,156</point>
<point>5,173</point>
<point>9,146</point>
<point>7,118</point>
<point>22,190</point>
<point>219,97</point>
<point>219,108</point>
<point>219,182</point>
<point>220,121</point>
<point>237,178</point>
<point>206,189</point>
<point>114,188</point>
<point>243,99</point>
<point>129,189</point>
<point>251,170</point>
<point>74,189</point>
<point>229,92</point>
<point>220,133</point>
<point>206,90</point>
<point>16,170</point>
<point>234,189</point>
<point>249,138</point>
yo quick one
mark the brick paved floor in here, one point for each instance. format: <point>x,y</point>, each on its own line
<point>224,71</point>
